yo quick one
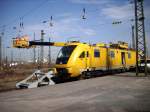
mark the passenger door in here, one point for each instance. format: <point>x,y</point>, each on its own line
<point>123,60</point>
<point>85,59</point>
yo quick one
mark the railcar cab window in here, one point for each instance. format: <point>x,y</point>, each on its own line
<point>96,53</point>
<point>112,54</point>
<point>64,54</point>
<point>82,55</point>
<point>87,54</point>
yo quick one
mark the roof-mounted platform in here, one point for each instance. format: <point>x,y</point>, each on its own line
<point>120,44</point>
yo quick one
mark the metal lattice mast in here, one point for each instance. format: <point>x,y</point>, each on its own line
<point>140,34</point>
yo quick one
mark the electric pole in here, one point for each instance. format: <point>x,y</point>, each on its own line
<point>34,52</point>
<point>38,59</point>
<point>0,53</point>
<point>42,49</point>
<point>140,35</point>
<point>2,49</point>
<point>49,55</point>
<point>12,56</point>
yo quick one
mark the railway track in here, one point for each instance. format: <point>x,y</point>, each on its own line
<point>122,92</point>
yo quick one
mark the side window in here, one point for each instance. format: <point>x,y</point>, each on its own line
<point>96,53</point>
<point>112,54</point>
<point>129,55</point>
<point>82,55</point>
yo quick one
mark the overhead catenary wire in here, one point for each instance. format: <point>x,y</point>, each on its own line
<point>26,14</point>
<point>19,20</point>
<point>38,6</point>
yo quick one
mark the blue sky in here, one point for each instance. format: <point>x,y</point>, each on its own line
<point>67,21</point>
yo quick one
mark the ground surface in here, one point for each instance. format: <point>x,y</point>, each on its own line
<point>9,77</point>
<point>118,93</point>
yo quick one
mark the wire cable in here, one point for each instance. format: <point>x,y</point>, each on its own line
<point>26,14</point>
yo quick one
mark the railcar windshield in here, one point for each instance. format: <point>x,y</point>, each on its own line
<point>64,54</point>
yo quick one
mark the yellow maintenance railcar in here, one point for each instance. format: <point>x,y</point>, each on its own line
<point>75,58</point>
